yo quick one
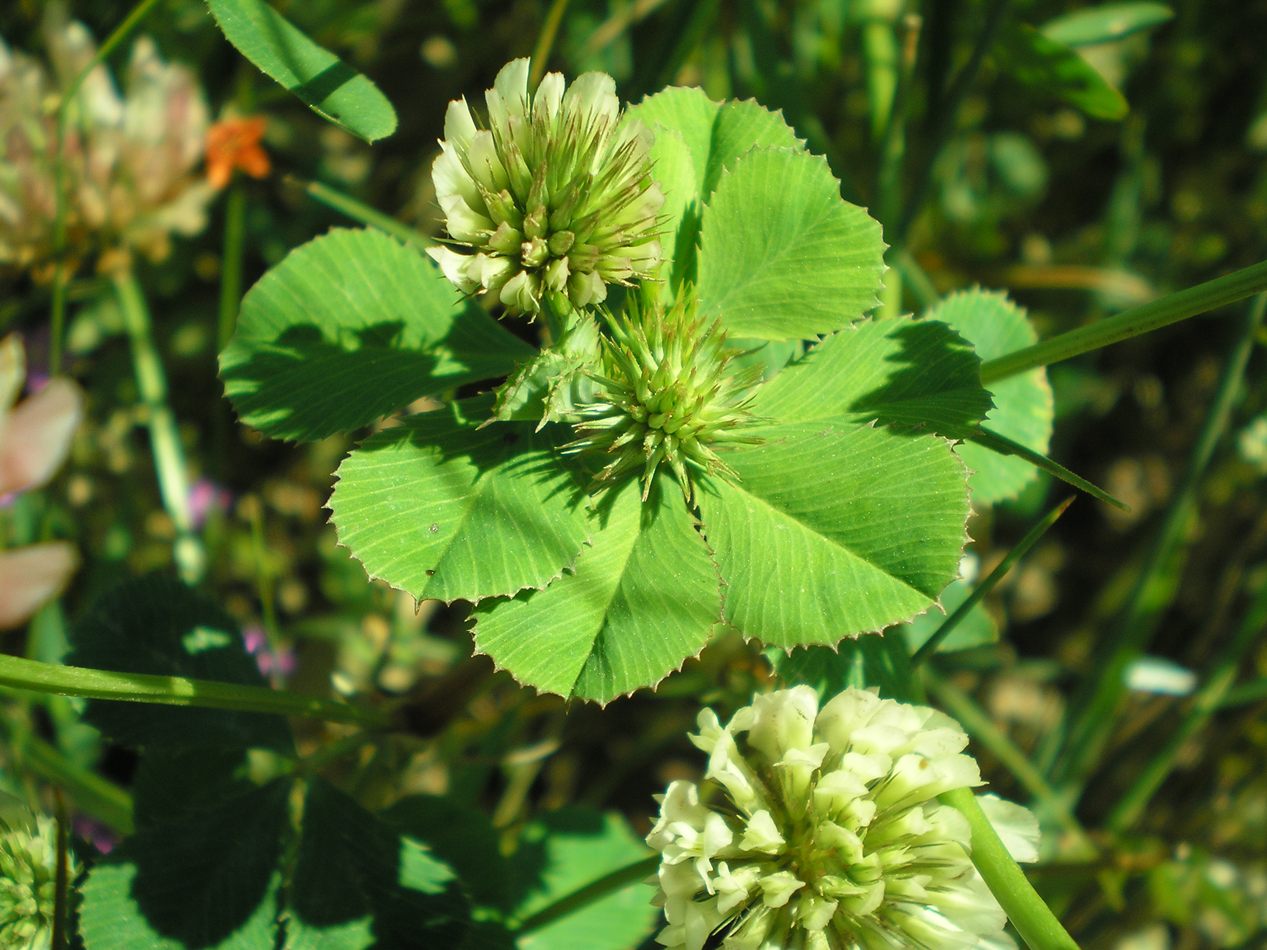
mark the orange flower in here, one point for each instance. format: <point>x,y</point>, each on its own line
<point>233,144</point>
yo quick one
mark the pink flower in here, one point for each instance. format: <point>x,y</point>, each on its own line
<point>34,440</point>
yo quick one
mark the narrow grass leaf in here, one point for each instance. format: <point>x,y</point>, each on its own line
<point>326,84</point>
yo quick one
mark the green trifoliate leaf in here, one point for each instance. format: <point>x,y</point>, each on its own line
<point>358,882</point>
<point>1040,63</point>
<point>642,598</point>
<point>563,851</point>
<point>157,625</point>
<point>782,256</point>
<point>350,327</point>
<point>696,139</point>
<point>443,509</point>
<point>901,372</point>
<point>329,86</point>
<point>212,882</point>
<point>1022,404</point>
<point>835,529</point>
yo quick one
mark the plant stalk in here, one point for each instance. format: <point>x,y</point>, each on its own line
<point>1209,698</point>
<point>1137,321</point>
<point>1028,913</point>
<point>1031,538</point>
<point>19,673</point>
<point>584,896</point>
<point>1141,614</point>
<point>169,456</point>
<point>60,277</point>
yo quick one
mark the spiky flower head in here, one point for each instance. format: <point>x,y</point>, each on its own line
<point>824,832</point>
<point>28,882</point>
<point>127,160</point>
<point>666,394</point>
<point>555,195</point>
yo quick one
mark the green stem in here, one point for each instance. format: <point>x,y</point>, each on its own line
<point>594,891</point>
<point>1005,446</point>
<point>1131,323</point>
<point>60,277</point>
<point>359,211</point>
<point>91,793</point>
<point>19,673</point>
<point>169,456</point>
<point>1142,611</point>
<point>545,41</point>
<point>231,263</point>
<point>978,724</point>
<point>1022,548</point>
<point>1031,917</point>
<point>1204,705</point>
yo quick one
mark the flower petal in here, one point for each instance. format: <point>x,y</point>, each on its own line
<point>38,435</point>
<point>29,577</point>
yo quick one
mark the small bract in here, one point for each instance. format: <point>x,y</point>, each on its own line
<point>555,195</point>
<point>824,831</point>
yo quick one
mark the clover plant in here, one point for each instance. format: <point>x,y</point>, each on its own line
<point>658,468</point>
<point>645,385</point>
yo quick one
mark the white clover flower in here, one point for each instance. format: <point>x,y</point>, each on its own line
<point>128,160</point>
<point>28,882</point>
<point>824,832</point>
<point>555,195</point>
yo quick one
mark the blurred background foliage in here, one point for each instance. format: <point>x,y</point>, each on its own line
<point>1077,216</point>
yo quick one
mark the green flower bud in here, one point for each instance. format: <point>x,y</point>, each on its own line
<point>28,882</point>
<point>565,174</point>
<point>666,394</point>
<point>824,831</point>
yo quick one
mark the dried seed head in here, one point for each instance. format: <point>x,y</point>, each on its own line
<point>555,195</point>
<point>667,394</point>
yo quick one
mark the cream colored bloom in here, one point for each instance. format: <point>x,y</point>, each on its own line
<point>128,160</point>
<point>34,439</point>
<point>820,829</point>
<point>28,882</point>
<point>554,195</point>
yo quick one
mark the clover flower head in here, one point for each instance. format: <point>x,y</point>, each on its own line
<point>554,196</point>
<point>821,830</point>
<point>28,882</point>
<point>35,436</point>
<point>666,394</point>
<point>127,159</point>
